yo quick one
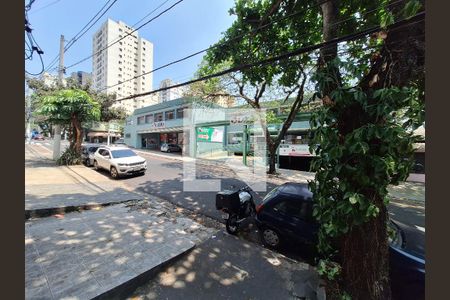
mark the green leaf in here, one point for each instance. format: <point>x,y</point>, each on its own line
<point>387,19</point>
<point>411,8</point>
<point>353,199</point>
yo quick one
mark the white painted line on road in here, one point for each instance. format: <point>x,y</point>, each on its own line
<point>420,228</point>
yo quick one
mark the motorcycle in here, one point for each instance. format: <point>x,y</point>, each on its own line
<point>237,206</point>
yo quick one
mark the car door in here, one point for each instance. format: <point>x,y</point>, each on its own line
<point>296,214</point>
<point>106,159</point>
<point>101,157</point>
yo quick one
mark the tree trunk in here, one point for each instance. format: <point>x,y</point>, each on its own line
<point>365,258</point>
<point>272,158</point>
<point>77,133</point>
<point>364,250</point>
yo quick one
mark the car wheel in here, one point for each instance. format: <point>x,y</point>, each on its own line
<point>232,226</point>
<point>87,162</point>
<point>113,172</point>
<point>168,150</point>
<point>96,165</point>
<point>270,238</point>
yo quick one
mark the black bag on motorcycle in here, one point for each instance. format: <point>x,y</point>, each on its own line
<point>228,200</point>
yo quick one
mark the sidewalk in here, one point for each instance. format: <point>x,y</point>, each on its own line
<point>49,187</point>
<point>99,252</point>
<point>108,252</point>
<point>225,267</point>
<point>413,189</point>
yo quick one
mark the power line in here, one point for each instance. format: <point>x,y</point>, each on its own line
<point>32,45</point>
<point>302,50</point>
<point>41,8</point>
<point>214,46</point>
<point>81,33</point>
<point>128,34</point>
<point>150,13</point>
<point>75,38</point>
<point>243,35</point>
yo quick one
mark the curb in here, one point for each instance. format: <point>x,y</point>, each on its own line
<point>126,288</point>
<point>47,212</point>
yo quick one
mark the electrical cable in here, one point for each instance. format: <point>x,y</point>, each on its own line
<point>55,60</point>
<point>128,34</point>
<point>41,8</point>
<point>243,35</point>
<point>81,33</point>
<point>75,38</point>
<point>302,50</point>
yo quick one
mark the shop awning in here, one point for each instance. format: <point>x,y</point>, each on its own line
<point>102,134</point>
<point>164,130</point>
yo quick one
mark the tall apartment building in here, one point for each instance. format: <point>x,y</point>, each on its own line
<point>130,57</point>
<point>81,77</point>
<point>171,94</point>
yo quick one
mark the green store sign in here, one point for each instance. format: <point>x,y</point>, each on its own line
<point>209,134</point>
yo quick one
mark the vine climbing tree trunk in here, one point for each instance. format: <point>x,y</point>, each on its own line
<point>364,248</point>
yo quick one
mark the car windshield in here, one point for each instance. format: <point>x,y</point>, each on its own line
<point>93,149</point>
<point>122,153</point>
<point>271,194</point>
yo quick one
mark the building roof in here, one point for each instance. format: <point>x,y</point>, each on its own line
<point>172,103</point>
<point>163,105</point>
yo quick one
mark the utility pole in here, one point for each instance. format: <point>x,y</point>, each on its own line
<point>57,127</point>
<point>109,134</point>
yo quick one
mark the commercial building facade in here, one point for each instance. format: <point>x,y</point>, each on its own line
<point>114,69</point>
<point>207,132</point>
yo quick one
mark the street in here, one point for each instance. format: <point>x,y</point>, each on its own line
<point>164,179</point>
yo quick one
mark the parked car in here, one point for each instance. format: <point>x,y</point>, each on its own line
<point>87,153</point>
<point>170,148</point>
<point>38,137</point>
<point>120,141</point>
<point>286,215</point>
<point>119,160</point>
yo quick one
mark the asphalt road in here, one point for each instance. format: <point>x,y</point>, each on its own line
<point>164,179</point>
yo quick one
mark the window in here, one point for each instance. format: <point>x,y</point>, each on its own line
<point>180,113</point>
<point>123,153</point>
<point>149,119</point>
<point>140,120</point>
<point>170,115</point>
<point>143,48</point>
<point>297,209</point>
<point>120,69</point>
<point>158,117</point>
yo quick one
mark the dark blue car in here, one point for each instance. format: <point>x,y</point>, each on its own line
<point>286,215</point>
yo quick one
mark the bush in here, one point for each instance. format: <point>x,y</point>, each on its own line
<point>69,157</point>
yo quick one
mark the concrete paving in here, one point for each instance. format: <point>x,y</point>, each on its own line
<point>90,254</point>
<point>224,267</point>
<point>48,186</point>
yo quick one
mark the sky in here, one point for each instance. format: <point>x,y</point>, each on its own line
<point>190,26</point>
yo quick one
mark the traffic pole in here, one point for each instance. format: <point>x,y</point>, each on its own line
<point>57,127</point>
